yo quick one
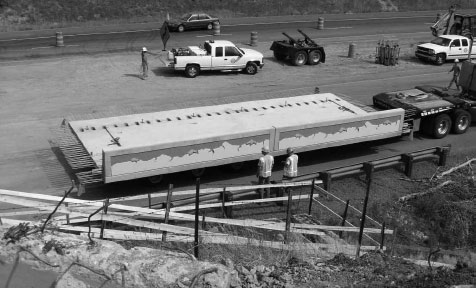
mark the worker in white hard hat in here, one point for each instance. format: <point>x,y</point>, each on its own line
<point>290,166</point>
<point>265,166</point>
<point>145,63</point>
<point>456,71</point>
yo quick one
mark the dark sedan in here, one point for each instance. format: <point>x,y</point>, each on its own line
<point>192,21</point>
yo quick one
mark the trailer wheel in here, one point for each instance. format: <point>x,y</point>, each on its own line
<point>279,56</point>
<point>192,71</point>
<point>462,120</point>
<point>155,179</point>
<point>441,126</point>
<point>299,58</point>
<point>180,28</point>
<point>314,57</point>
<point>440,59</point>
<point>251,68</point>
<point>199,172</point>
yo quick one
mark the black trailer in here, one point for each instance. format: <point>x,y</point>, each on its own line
<point>300,51</point>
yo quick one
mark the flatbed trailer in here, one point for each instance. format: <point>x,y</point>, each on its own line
<point>431,110</point>
<point>154,144</point>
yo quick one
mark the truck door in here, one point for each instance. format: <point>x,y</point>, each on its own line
<point>458,48</point>
<point>226,58</point>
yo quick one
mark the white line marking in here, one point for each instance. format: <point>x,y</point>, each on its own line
<point>199,36</point>
<point>335,28</point>
<point>47,47</point>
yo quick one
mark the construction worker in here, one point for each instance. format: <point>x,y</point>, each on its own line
<point>145,64</point>
<point>265,166</point>
<point>456,70</point>
<point>290,165</point>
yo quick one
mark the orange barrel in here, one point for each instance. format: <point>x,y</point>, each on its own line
<point>351,50</point>
<point>320,23</point>
<point>216,28</point>
<point>254,39</point>
<point>59,39</point>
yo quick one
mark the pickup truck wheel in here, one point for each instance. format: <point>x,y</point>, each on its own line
<point>180,28</point>
<point>314,57</point>
<point>192,71</point>
<point>279,56</point>
<point>251,68</point>
<point>199,172</point>
<point>462,120</point>
<point>155,179</point>
<point>440,59</point>
<point>210,26</point>
<point>441,126</point>
<point>299,58</point>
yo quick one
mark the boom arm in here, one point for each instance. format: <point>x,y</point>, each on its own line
<point>291,39</point>
<point>309,40</point>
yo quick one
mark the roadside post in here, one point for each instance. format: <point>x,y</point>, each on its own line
<point>197,217</point>
<point>369,169</point>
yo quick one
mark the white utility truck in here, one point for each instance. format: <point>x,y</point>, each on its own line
<point>446,47</point>
<point>215,55</point>
<point>153,144</point>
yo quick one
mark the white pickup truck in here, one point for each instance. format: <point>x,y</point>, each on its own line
<point>445,47</point>
<point>215,55</point>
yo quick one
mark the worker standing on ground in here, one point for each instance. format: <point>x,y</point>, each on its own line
<point>265,166</point>
<point>145,64</point>
<point>456,71</point>
<point>290,166</point>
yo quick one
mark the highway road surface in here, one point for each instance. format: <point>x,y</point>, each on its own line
<point>37,94</point>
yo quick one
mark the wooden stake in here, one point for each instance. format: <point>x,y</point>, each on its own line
<point>368,168</point>
<point>312,196</point>
<point>344,217</point>
<point>167,211</point>
<point>197,210</point>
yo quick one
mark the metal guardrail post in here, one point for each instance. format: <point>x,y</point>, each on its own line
<point>408,160</point>
<point>344,217</point>
<point>443,152</point>
<point>326,178</point>
<point>369,169</point>
<point>197,210</point>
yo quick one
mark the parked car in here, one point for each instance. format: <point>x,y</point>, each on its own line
<point>192,21</point>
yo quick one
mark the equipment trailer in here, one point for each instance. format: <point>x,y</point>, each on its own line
<point>299,52</point>
<point>154,144</point>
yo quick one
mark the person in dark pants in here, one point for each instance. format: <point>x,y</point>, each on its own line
<point>290,167</point>
<point>456,71</point>
<point>265,166</point>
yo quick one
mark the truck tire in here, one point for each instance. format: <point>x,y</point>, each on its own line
<point>299,58</point>
<point>314,57</point>
<point>192,71</point>
<point>440,59</point>
<point>210,26</point>
<point>461,122</point>
<point>251,68</point>
<point>279,56</point>
<point>155,179</point>
<point>180,28</point>
<point>441,126</point>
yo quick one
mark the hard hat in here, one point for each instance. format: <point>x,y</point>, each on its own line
<point>290,150</point>
<point>456,60</point>
<point>265,149</point>
<point>144,49</point>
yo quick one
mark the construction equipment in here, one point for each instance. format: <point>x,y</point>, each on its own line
<point>452,23</point>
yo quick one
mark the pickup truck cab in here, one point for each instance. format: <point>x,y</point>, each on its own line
<point>445,47</point>
<point>215,55</point>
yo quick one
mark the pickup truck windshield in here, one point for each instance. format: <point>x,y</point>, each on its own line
<point>441,41</point>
